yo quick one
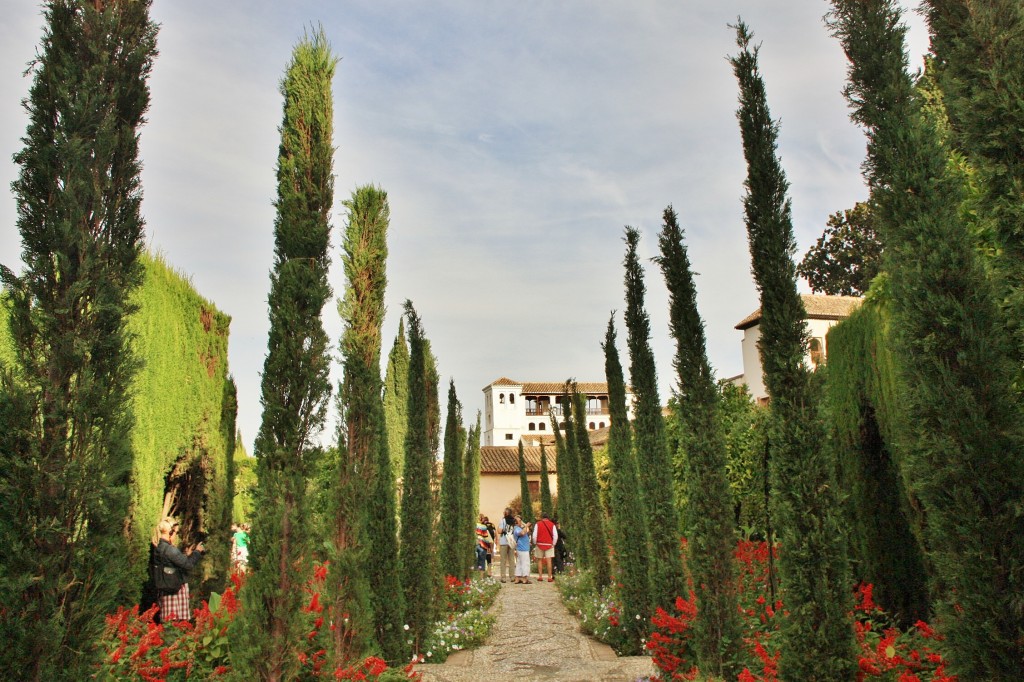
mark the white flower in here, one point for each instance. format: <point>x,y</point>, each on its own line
<point>406,626</point>
<point>429,654</point>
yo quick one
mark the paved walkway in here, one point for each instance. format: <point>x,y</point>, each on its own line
<point>535,638</point>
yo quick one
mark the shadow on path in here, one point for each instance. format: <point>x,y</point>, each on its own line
<point>535,638</point>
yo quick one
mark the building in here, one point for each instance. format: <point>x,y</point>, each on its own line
<point>823,312</point>
<point>514,409</point>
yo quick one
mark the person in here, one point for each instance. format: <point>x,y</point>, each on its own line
<point>544,537</point>
<point>483,544</point>
<point>175,606</point>
<point>522,535</point>
<point>507,545</point>
<point>240,546</point>
<point>561,557</point>
<point>490,550</point>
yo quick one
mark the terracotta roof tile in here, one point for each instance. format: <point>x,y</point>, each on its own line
<point>586,387</point>
<point>503,459</point>
<point>818,307</point>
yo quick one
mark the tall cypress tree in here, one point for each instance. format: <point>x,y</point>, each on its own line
<point>546,506</point>
<point>569,461</point>
<point>453,491</point>
<point>471,502</point>
<point>649,443</point>
<point>65,451</point>
<point>709,520</point>
<point>817,640</point>
<point>364,515</point>
<point>524,488</point>
<point>630,540</point>
<point>589,498</point>
<point>957,357</point>
<point>396,399</point>
<point>417,546</point>
<point>296,386</point>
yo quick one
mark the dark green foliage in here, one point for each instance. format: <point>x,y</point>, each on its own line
<point>817,640</point>
<point>649,442</point>
<point>524,488</point>
<point>976,48</point>
<point>709,523</point>
<point>957,358</point>
<point>546,506</point>
<point>569,512</point>
<point>295,386</point>
<point>396,387</point>
<point>452,557</point>
<point>629,533</point>
<point>743,425</point>
<point>847,256</point>
<point>365,497</point>
<point>866,421</point>
<point>417,545</point>
<point>589,498</point>
<point>65,452</point>
<point>471,480</point>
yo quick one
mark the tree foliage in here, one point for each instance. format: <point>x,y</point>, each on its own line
<point>65,444</point>
<point>589,498</point>
<point>453,492</point>
<point>546,505</point>
<point>524,488</point>
<point>817,640</point>
<point>847,256</point>
<point>296,385</point>
<point>396,387</point>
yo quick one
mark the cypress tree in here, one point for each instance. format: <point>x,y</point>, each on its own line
<point>654,465</point>
<point>396,399</point>
<point>957,358</point>
<point>546,506</point>
<point>417,546</point>
<point>65,451</point>
<point>630,540</point>
<point>589,500</point>
<point>709,524</point>
<point>817,640</point>
<point>524,488</point>
<point>569,459</point>
<point>564,478</point>
<point>365,510</point>
<point>453,491</point>
<point>471,479</point>
<point>296,386</point>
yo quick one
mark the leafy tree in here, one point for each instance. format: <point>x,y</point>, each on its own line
<point>847,256</point>
<point>366,508</point>
<point>957,357</point>
<point>743,428</point>
<point>649,443</point>
<point>396,387</point>
<point>417,546</point>
<point>589,495</point>
<point>709,524</point>
<point>546,506</point>
<point>65,418</point>
<point>453,492</point>
<point>817,640</point>
<point>296,385</point>
<point>629,531</point>
<point>524,488</point>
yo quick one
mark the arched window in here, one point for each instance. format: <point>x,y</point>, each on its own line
<point>601,425</point>
<point>532,427</point>
<point>817,348</point>
<point>501,398</point>
<point>591,426</point>
<point>512,398</point>
<point>543,427</point>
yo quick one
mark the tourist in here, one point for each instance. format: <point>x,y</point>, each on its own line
<point>544,537</point>
<point>490,554</point>
<point>507,545</point>
<point>172,566</point>
<point>522,535</point>
<point>240,547</point>
<point>561,557</point>
<point>483,544</point>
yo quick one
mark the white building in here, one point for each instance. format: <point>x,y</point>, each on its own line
<point>515,409</point>
<point>823,312</point>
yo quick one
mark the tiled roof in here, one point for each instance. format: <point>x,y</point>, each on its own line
<point>501,459</point>
<point>504,381</point>
<point>585,387</point>
<point>818,307</point>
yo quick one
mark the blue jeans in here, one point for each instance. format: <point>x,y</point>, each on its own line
<point>481,558</point>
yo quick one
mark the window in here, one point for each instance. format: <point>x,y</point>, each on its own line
<point>591,426</point>
<point>534,487</point>
<point>508,436</point>
<point>600,425</point>
<point>501,398</point>
<point>532,427</point>
<point>543,426</point>
<point>512,398</point>
<point>817,349</point>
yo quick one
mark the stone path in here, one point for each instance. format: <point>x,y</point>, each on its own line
<point>535,638</point>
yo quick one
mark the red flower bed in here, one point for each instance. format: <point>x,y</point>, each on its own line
<point>886,653</point>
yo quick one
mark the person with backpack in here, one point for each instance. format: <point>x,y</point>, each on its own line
<point>507,545</point>
<point>522,535</point>
<point>168,569</point>
<point>544,537</point>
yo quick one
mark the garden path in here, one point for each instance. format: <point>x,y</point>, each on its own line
<point>535,638</point>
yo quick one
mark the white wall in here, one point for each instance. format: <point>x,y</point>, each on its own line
<point>753,375</point>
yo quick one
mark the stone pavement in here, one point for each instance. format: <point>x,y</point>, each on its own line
<point>535,638</point>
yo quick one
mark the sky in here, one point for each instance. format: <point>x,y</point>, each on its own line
<point>515,141</point>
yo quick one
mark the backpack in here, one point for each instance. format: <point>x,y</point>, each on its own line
<point>167,579</point>
<point>510,538</point>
